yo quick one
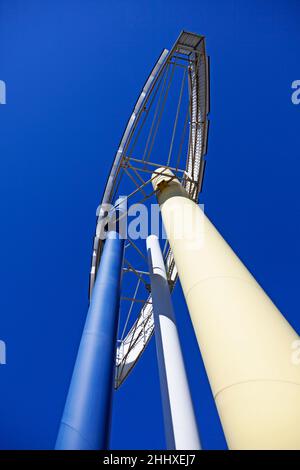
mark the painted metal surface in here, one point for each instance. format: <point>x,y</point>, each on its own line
<point>179,418</point>
<point>86,419</point>
<point>246,343</point>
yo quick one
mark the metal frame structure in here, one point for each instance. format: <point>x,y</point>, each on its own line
<point>188,54</point>
<point>257,398</point>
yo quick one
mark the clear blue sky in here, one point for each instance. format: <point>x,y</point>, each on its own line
<point>73,70</point>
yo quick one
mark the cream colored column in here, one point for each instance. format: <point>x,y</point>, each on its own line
<point>246,344</point>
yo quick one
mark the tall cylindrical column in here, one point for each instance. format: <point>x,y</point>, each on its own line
<point>86,419</point>
<point>179,418</point>
<point>245,342</point>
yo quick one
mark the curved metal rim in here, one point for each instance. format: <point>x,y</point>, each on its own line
<point>197,145</point>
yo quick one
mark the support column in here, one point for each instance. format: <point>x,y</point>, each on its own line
<point>245,341</point>
<point>179,418</point>
<point>86,419</point>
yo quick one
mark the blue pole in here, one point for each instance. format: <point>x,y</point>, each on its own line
<point>85,424</point>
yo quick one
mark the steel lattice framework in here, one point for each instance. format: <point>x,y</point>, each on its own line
<point>136,160</point>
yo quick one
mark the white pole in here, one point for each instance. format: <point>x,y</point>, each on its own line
<point>179,419</point>
<point>246,344</point>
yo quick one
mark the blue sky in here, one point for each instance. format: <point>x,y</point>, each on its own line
<point>73,70</point>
